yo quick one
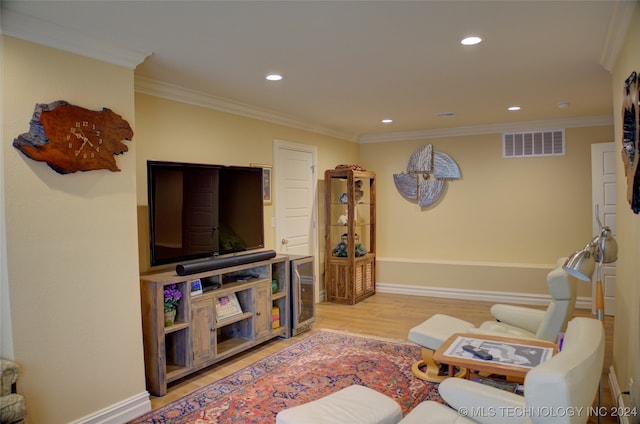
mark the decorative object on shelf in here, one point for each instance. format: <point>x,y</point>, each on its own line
<point>266,182</point>
<point>71,138</point>
<point>227,307</point>
<point>171,297</point>
<point>353,167</point>
<point>275,317</point>
<point>631,139</point>
<point>196,287</point>
<point>344,218</point>
<point>169,318</point>
<point>358,191</point>
<point>435,168</point>
<point>274,286</point>
<point>341,249</point>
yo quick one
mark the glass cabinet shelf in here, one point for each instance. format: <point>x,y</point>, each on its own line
<point>350,235</point>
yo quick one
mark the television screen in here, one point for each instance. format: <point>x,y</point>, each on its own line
<point>199,211</point>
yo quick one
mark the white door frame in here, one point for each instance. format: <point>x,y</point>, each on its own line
<point>603,194</point>
<point>278,146</point>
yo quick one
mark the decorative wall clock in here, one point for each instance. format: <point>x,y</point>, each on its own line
<point>426,176</point>
<point>71,138</point>
<point>631,139</point>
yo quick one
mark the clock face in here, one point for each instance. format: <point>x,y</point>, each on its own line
<point>84,140</point>
<point>71,138</point>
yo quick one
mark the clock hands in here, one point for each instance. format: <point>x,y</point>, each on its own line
<point>85,140</point>
<point>84,143</point>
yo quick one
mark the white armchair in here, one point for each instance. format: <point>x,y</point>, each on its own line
<point>513,321</point>
<point>560,390</point>
<point>523,322</point>
<point>12,406</point>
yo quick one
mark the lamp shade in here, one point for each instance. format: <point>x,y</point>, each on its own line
<point>606,247</point>
<point>581,264</point>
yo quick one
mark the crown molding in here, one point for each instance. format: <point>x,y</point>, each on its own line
<point>617,31</point>
<point>587,121</point>
<point>165,90</point>
<point>29,28</point>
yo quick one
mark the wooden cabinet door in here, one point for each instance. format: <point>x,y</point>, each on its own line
<point>262,311</point>
<point>203,329</point>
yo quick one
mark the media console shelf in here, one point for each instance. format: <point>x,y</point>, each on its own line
<point>237,315</point>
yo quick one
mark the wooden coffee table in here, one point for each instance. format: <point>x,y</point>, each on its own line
<point>513,357</point>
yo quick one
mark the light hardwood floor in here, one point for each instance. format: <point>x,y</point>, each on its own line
<point>383,315</point>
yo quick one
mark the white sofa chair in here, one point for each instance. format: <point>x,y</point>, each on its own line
<point>523,322</point>
<point>560,390</point>
<point>511,321</point>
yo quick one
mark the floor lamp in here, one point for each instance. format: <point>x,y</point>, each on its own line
<point>602,249</point>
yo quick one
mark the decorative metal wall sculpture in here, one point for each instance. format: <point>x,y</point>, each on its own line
<point>631,139</point>
<point>426,176</point>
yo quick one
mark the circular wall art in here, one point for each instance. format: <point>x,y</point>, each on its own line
<point>426,176</point>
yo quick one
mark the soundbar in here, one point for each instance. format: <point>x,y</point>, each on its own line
<point>217,263</point>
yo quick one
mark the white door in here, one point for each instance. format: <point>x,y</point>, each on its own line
<point>603,183</point>
<point>296,210</point>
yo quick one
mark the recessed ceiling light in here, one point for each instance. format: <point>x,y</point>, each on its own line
<point>471,41</point>
<point>274,77</point>
<point>445,115</point>
<point>513,108</point>
<point>563,105</point>
<point>387,121</point>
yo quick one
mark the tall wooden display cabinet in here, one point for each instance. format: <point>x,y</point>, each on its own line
<point>350,236</point>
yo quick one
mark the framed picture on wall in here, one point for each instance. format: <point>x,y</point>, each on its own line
<point>266,182</point>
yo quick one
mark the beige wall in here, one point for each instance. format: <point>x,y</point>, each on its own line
<point>500,227</point>
<point>71,246</point>
<point>174,131</point>
<point>626,340</point>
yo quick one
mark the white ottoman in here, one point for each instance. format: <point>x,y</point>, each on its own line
<point>354,405</point>
<point>434,412</point>
<point>430,335</point>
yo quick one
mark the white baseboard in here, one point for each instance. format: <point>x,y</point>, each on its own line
<point>480,295</point>
<point>120,412</point>
<point>619,400</point>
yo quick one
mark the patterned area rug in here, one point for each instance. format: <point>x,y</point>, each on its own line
<point>316,366</point>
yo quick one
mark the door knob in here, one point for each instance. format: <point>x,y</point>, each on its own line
<point>284,241</point>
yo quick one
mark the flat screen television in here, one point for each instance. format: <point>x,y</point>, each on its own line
<point>201,211</point>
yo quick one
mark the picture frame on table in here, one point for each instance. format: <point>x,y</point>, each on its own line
<point>266,182</point>
<point>196,287</point>
<point>227,306</point>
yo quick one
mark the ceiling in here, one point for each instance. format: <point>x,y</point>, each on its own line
<point>349,64</point>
